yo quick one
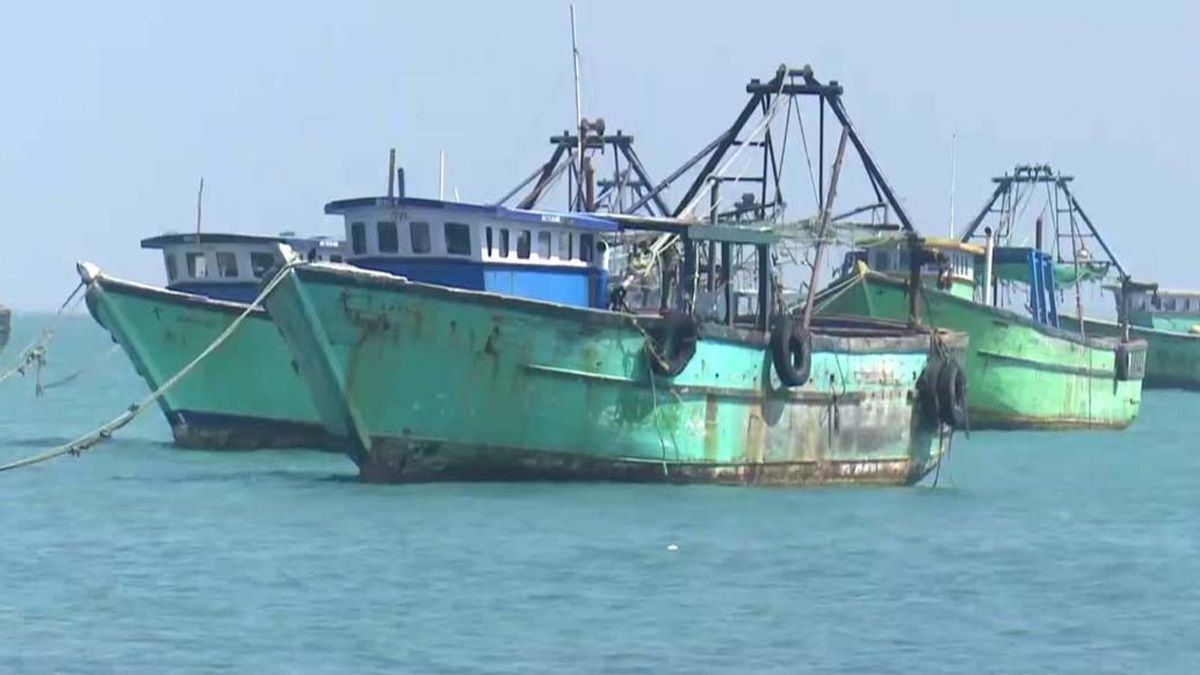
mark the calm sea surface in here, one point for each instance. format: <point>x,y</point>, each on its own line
<point>1068,552</point>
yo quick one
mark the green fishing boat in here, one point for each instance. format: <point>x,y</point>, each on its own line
<point>1169,322</point>
<point>581,346</point>
<point>439,383</point>
<point>246,394</point>
<point>1026,370</point>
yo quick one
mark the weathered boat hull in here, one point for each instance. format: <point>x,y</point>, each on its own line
<point>1172,359</point>
<point>1021,374</point>
<point>435,383</point>
<point>245,395</point>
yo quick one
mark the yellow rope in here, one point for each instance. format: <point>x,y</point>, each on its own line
<point>105,431</point>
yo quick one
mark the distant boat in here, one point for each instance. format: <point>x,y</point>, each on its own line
<point>246,394</point>
<point>5,325</point>
<point>1169,322</point>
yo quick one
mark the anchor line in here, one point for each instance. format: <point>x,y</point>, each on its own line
<point>35,353</point>
<point>105,431</point>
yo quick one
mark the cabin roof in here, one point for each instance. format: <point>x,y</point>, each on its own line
<point>937,243</point>
<point>698,231</point>
<point>164,240</point>
<point>580,220</point>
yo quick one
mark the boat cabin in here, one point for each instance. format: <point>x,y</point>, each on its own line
<point>955,271</point>
<point>1153,307</point>
<point>1164,301</point>
<point>232,266</point>
<point>723,277</point>
<point>553,257</point>
<point>961,270</point>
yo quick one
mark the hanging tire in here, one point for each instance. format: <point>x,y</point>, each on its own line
<point>952,395</point>
<point>671,343</point>
<point>927,390</point>
<point>791,351</point>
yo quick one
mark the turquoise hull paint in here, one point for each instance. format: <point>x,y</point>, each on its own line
<point>244,395</point>
<point>437,383</point>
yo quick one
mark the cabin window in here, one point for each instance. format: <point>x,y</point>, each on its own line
<point>1169,304</point>
<point>260,263</point>
<point>487,233</point>
<point>419,235</point>
<point>586,246</point>
<point>543,239</point>
<point>564,245</point>
<point>458,238</point>
<point>335,258</point>
<point>227,267</point>
<point>172,269</point>
<point>523,244</point>
<point>504,242</point>
<point>389,242</point>
<point>358,238</point>
<point>196,267</point>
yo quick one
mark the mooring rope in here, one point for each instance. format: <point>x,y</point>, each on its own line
<point>35,353</point>
<point>106,430</point>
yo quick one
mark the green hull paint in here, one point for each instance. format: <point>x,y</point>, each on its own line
<point>244,395</point>
<point>1020,374</point>
<point>1172,359</point>
<point>439,383</point>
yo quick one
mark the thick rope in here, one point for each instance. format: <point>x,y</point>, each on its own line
<point>105,431</point>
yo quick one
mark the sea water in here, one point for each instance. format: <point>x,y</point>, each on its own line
<point>1035,552</point>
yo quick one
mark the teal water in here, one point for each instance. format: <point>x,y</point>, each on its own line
<point>1035,553</point>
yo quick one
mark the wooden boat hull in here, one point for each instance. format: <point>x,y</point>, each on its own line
<point>436,383</point>
<point>1172,358</point>
<point>245,395</point>
<point>1021,374</point>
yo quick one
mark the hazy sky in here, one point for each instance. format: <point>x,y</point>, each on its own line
<point>112,111</point>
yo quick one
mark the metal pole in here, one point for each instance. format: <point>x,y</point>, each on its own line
<point>442,175</point>
<point>391,173</point>
<point>988,257</point>
<point>199,206</point>
<point>953,169</point>
<point>816,269</point>
<point>578,102</point>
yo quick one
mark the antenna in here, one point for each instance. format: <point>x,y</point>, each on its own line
<point>199,207</point>
<point>442,175</point>
<point>953,168</point>
<point>391,173</point>
<point>578,105</point>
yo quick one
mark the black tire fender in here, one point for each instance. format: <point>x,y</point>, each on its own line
<point>791,351</point>
<point>671,343</point>
<point>952,395</point>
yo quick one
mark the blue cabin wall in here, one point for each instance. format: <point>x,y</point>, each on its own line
<point>233,292</point>
<point>575,286</point>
